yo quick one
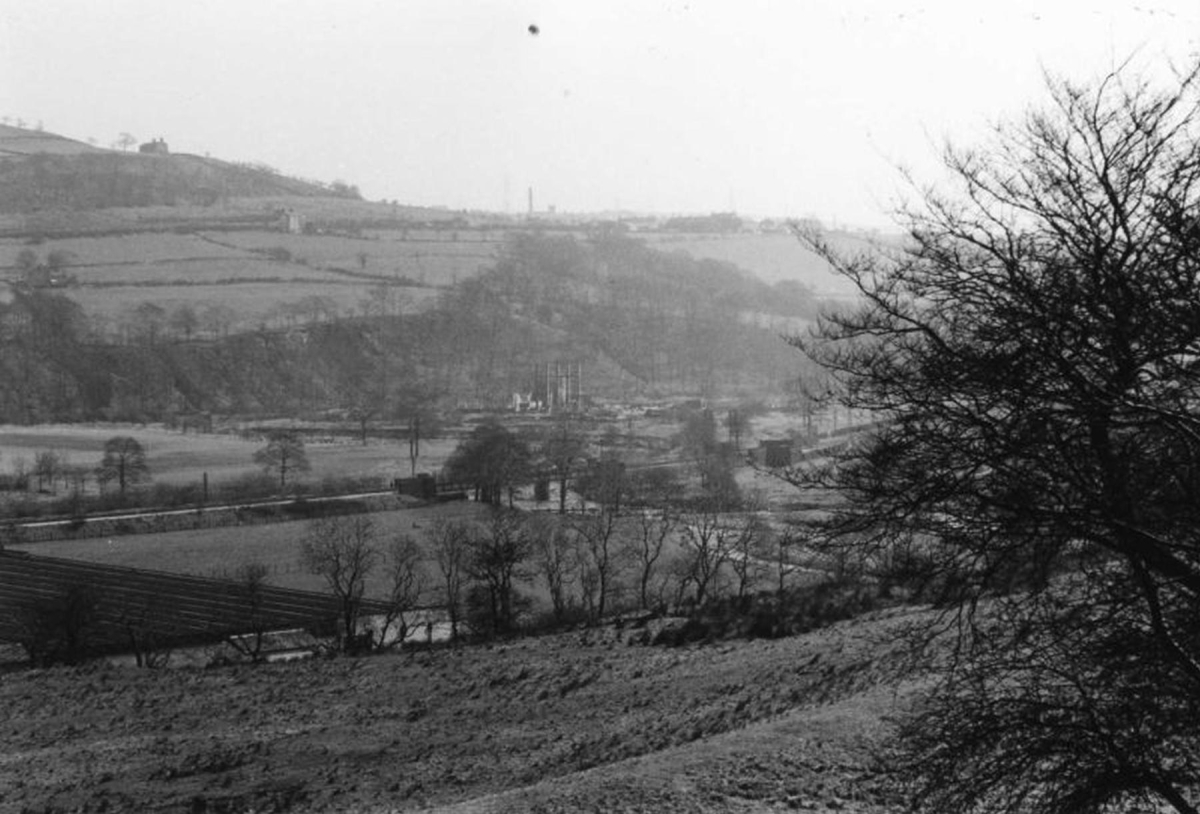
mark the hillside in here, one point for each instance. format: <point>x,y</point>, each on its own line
<point>589,721</point>
<point>18,141</point>
<point>773,258</point>
<point>40,170</point>
<point>643,323</point>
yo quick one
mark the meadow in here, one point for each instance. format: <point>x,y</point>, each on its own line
<point>256,273</point>
<point>178,458</point>
<point>222,551</point>
<point>145,248</point>
<point>250,303</point>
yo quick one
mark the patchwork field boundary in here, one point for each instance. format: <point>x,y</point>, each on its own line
<point>200,517</point>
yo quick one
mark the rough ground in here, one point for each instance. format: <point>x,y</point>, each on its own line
<point>587,721</point>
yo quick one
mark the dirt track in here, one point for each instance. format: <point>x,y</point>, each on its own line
<point>583,721</point>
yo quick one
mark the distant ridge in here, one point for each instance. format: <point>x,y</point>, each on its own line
<point>42,171</point>
<point>20,141</point>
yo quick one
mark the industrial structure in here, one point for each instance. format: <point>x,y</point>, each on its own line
<point>556,386</point>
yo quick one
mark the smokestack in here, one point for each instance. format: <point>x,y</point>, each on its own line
<point>531,202</point>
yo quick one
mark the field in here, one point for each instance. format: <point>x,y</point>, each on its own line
<point>251,303</point>
<point>177,609</point>
<point>236,270</point>
<point>589,721</point>
<point>177,457</point>
<point>209,552</point>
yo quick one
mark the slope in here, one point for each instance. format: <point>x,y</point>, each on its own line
<point>19,141</point>
<point>591,721</point>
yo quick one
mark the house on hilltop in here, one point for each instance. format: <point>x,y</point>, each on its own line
<point>155,147</point>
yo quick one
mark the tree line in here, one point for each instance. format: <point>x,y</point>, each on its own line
<point>640,320</point>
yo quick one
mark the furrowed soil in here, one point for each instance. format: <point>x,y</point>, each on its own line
<point>595,720</point>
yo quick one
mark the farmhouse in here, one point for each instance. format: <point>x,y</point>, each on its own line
<point>155,147</point>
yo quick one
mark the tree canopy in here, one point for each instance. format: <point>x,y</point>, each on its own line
<point>283,455</point>
<point>491,459</point>
<point>124,461</point>
<point>1033,354</point>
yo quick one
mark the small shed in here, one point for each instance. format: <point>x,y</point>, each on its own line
<point>291,222</point>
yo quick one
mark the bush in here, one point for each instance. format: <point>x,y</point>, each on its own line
<point>772,615</point>
<point>57,629</point>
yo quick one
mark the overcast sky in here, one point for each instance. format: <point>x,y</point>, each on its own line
<point>791,107</point>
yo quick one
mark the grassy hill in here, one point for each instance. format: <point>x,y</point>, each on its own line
<point>40,170</point>
<point>18,141</point>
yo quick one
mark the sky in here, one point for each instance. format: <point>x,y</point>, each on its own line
<point>769,108</point>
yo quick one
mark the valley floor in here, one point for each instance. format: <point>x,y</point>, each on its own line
<point>593,720</point>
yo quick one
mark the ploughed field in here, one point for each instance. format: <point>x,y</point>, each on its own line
<point>594,720</point>
<point>171,608</point>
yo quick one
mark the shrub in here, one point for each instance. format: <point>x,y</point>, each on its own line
<point>773,615</point>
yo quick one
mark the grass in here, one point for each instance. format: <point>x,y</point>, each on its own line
<point>143,248</point>
<point>252,303</point>
<point>205,271</point>
<point>177,458</point>
<point>435,263</point>
<point>232,269</point>
<point>209,552</point>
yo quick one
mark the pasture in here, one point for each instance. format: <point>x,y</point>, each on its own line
<point>178,458</point>
<point>434,262</point>
<point>221,551</point>
<point>250,302</point>
<point>236,270</point>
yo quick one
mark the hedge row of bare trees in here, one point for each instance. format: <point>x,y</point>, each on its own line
<point>482,573</point>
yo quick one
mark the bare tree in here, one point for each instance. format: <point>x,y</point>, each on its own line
<point>746,537</point>
<point>406,581</point>
<point>553,555</point>
<point>779,548</point>
<point>250,580</point>
<point>600,557</point>
<point>46,467</point>
<point>712,534</point>
<point>342,551</point>
<point>1031,351</point>
<point>655,527</point>
<point>563,449</point>
<point>451,548</point>
<point>124,461</point>
<point>283,455</point>
<point>496,562</point>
